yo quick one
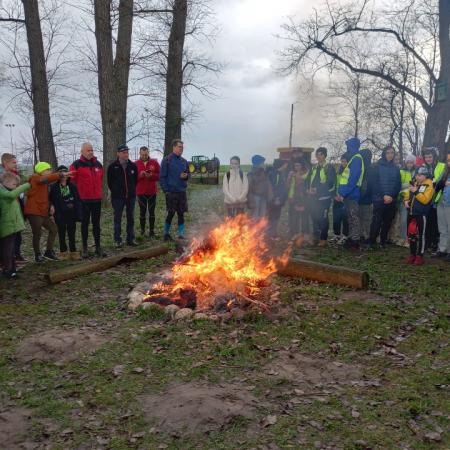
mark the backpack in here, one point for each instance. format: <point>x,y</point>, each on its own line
<point>241,174</point>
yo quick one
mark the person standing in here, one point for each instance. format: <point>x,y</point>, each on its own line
<point>406,177</point>
<point>340,223</point>
<point>260,190</point>
<point>146,189</point>
<point>122,179</point>
<point>385,185</point>
<point>298,216</point>
<point>349,191</point>
<point>419,205</point>
<point>38,210</point>
<point>174,181</point>
<point>66,202</point>
<point>443,212</point>
<point>277,176</point>
<point>87,175</point>
<point>235,188</point>
<point>321,185</point>
<point>11,220</point>
<point>365,198</point>
<point>435,169</point>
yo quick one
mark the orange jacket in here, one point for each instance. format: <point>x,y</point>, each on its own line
<point>37,203</point>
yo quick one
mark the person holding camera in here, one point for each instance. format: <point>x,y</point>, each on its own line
<point>173,180</point>
<point>146,189</point>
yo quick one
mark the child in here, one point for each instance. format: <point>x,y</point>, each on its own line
<point>66,202</point>
<point>235,188</point>
<point>419,204</point>
<point>38,211</point>
<point>298,217</point>
<point>11,220</point>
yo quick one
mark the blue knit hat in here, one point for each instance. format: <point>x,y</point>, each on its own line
<point>258,160</point>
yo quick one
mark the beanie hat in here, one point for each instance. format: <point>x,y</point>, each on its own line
<point>62,169</point>
<point>122,148</point>
<point>41,166</point>
<point>423,171</point>
<point>410,158</point>
<point>257,160</point>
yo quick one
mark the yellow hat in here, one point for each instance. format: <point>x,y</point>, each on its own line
<point>41,166</point>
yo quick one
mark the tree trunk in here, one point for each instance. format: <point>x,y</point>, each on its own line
<point>436,126</point>
<point>39,84</point>
<point>174,77</point>
<point>113,74</point>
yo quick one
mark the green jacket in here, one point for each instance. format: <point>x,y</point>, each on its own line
<point>11,218</point>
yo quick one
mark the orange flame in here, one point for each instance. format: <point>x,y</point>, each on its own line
<point>234,258</point>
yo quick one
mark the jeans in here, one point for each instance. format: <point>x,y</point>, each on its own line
<point>118,205</point>
<point>319,216</point>
<point>383,215</point>
<point>352,208</point>
<point>37,223</point>
<point>147,202</point>
<point>233,211</point>
<point>258,206</point>
<point>340,222</point>
<point>443,213</point>
<point>91,210</point>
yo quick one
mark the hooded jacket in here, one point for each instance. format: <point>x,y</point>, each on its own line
<point>37,203</point>
<point>11,218</point>
<point>384,180</point>
<point>278,179</point>
<point>351,190</point>
<point>366,191</point>
<point>421,201</point>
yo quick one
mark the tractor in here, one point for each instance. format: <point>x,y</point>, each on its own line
<point>203,165</point>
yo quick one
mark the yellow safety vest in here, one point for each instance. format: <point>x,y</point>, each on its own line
<point>438,171</point>
<point>405,178</point>
<point>346,173</point>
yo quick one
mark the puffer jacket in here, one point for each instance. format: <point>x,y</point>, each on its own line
<point>385,180</point>
<point>11,218</point>
<point>422,200</point>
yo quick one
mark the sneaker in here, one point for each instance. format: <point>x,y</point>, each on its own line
<point>438,254</point>
<point>10,275</point>
<point>167,238</point>
<point>99,252</point>
<point>419,261</point>
<point>410,259</point>
<point>50,255</point>
<point>118,244</point>
<point>132,244</point>
<point>39,258</point>
<point>85,253</point>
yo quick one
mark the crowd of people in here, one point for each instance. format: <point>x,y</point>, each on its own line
<point>56,200</point>
<point>371,204</point>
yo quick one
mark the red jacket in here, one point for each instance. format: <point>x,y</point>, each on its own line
<point>147,185</point>
<point>88,177</point>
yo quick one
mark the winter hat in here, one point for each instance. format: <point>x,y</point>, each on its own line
<point>123,148</point>
<point>62,169</point>
<point>423,171</point>
<point>258,160</point>
<point>41,166</point>
<point>410,158</point>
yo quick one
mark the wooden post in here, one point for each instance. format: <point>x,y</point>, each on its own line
<point>56,276</point>
<point>325,273</point>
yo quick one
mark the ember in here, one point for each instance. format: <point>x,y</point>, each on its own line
<point>231,266</point>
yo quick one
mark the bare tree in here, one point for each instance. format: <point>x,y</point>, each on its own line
<point>323,41</point>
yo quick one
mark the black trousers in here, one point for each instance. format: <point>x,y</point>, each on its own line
<point>340,222</point>
<point>417,243</point>
<point>274,215</point>
<point>147,202</point>
<point>18,244</point>
<point>319,215</point>
<point>176,202</point>
<point>7,249</point>
<point>382,218</point>
<point>432,230</point>
<point>91,212</point>
<point>66,224</point>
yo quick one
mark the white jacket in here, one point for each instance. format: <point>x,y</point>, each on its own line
<point>235,189</point>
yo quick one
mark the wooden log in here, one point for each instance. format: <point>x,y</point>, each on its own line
<point>324,273</point>
<point>56,276</point>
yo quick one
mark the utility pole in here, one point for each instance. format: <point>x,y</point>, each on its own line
<point>11,126</point>
<point>292,125</point>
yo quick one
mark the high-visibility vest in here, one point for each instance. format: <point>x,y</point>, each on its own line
<point>405,178</point>
<point>438,171</point>
<point>346,172</point>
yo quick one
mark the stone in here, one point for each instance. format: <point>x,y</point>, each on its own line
<point>135,300</point>
<point>171,310</point>
<point>151,305</point>
<point>184,314</point>
<point>143,288</point>
<point>201,316</point>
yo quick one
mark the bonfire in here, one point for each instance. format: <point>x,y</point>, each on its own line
<point>232,266</point>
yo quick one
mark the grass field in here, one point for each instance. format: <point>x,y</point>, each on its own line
<point>370,368</point>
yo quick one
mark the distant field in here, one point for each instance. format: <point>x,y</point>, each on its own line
<point>226,167</point>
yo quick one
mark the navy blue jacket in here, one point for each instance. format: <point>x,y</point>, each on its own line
<point>172,167</point>
<point>384,180</point>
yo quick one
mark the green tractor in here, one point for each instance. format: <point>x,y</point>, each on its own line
<point>203,165</point>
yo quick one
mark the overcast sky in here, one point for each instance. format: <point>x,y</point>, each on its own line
<point>252,110</point>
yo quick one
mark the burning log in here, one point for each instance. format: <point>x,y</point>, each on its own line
<point>325,273</point>
<point>56,276</point>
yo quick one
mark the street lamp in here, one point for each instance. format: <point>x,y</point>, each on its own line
<point>11,126</point>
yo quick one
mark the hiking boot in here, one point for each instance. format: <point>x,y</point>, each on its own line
<point>99,252</point>
<point>419,261</point>
<point>410,259</point>
<point>38,258</point>
<point>167,238</point>
<point>85,253</point>
<point>50,255</point>
<point>74,256</point>
<point>64,256</point>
